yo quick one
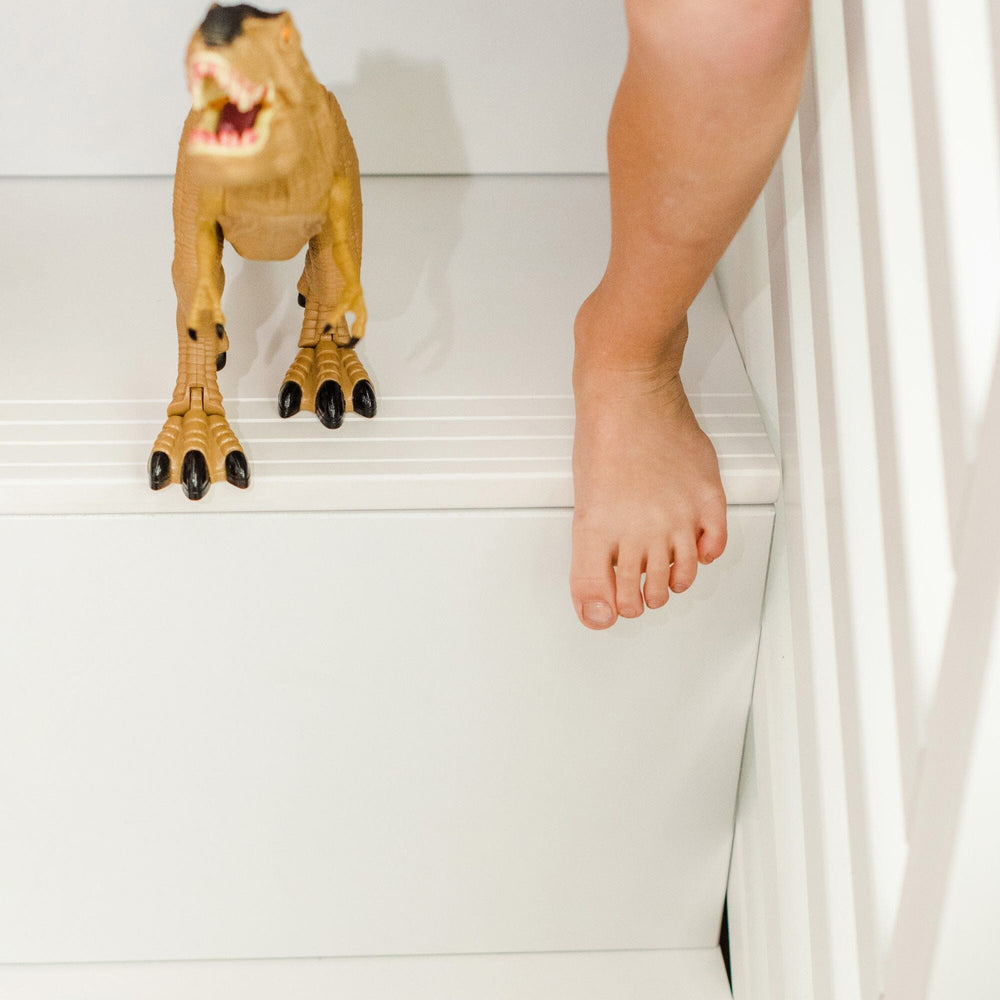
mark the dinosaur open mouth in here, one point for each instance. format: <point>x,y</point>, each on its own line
<point>235,114</point>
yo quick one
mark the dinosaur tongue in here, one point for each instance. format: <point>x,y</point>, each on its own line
<point>233,120</point>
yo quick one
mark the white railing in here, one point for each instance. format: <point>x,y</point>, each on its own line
<point>877,244</point>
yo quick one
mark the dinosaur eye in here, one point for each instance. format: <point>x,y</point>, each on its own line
<point>286,35</point>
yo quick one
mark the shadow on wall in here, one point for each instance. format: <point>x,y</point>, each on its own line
<point>401,116</point>
<point>407,125</point>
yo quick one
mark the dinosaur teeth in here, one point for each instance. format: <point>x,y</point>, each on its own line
<point>211,77</point>
<point>198,100</point>
<point>234,114</point>
<point>245,100</point>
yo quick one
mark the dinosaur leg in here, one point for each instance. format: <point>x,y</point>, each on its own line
<point>197,446</point>
<point>326,376</point>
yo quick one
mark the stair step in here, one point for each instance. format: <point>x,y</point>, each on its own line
<point>471,293</point>
<point>692,974</point>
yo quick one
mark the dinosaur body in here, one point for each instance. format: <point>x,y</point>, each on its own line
<point>266,161</point>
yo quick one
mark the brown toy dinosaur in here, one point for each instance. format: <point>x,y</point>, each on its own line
<point>266,162</point>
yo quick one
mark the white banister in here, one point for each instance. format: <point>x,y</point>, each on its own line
<point>851,466</point>
<point>904,401</point>
<point>940,278</point>
<point>883,256</point>
<point>971,626</point>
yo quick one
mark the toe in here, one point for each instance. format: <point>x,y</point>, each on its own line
<point>628,592</point>
<point>194,475</point>
<point>712,540</point>
<point>237,470</point>
<point>685,566</point>
<point>159,470</point>
<point>290,399</point>
<point>363,398</point>
<point>592,580</point>
<point>657,586</point>
<point>330,404</point>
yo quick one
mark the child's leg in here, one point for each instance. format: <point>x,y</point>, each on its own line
<point>706,99</point>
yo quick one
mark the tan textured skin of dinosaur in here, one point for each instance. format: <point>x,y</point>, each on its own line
<point>266,162</point>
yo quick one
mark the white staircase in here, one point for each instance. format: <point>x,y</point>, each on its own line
<point>341,734</point>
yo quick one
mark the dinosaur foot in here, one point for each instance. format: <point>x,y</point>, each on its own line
<point>195,450</point>
<point>329,380</point>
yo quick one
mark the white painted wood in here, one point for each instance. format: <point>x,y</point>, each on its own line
<point>882,222</point>
<point>848,427</point>
<point>469,346</point>
<point>898,280</point>
<point>359,734</point>
<point>883,347</point>
<point>693,974</point>
<point>748,923</point>
<point>831,926</point>
<point>959,64</point>
<point>970,654</point>
<point>892,252</point>
<point>965,959</point>
<point>768,904</point>
<point>882,485</point>
<point>419,453</point>
<point>965,956</point>
<point>745,288</point>
<point>445,87</point>
<point>938,262</point>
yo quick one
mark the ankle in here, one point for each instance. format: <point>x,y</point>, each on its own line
<point>611,342</point>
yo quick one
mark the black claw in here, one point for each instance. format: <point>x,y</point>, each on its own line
<point>330,404</point>
<point>193,334</point>
<point>327,328</point>
<point>353,342</point>
<point>194,475</point>
<point>290,399</point>
<point>302,300</point>
<point>363,398</point>
<point>220,361</point>
<point>220,330</point>
<point>159,470</point>
<point>237,470</point>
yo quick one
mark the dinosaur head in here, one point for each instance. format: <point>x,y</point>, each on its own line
<point>252,92</point>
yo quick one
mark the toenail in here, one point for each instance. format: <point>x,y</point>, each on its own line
<point>597,613</point>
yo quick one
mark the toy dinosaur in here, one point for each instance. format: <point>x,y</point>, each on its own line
<point>266,162</point>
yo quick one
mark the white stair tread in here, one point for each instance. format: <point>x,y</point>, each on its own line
<point>471,285</point>
<point>691,974</point>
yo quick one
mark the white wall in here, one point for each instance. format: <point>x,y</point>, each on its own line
<point>444,87</point>
<point>873,254</point>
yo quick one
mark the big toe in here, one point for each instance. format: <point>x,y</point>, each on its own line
<point>592,580</point>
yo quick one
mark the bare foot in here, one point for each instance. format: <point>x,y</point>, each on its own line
<point>648,497</point>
